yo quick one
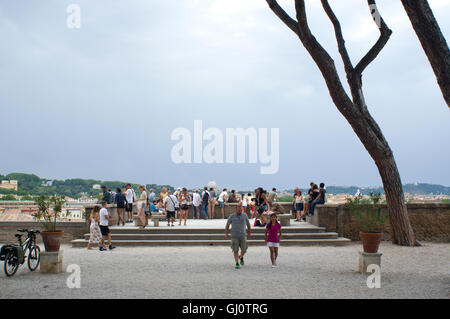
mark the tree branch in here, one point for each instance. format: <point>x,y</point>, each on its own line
<point>339,37</point>
<point>280,13</point>
<point>385,34</point>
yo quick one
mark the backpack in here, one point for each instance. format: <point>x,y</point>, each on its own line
<point>205,199</point>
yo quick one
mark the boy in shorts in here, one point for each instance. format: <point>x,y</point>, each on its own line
<point>104,227</point>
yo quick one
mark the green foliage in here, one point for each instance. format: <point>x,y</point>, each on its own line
<point>368,212</point>
<point>446,201</point>
<point>44,215</point>
<point>26,198</point>
<point>8,197</point>
<point>286,199</point>
<point>30,184</point>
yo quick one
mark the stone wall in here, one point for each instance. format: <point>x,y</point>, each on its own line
<point>430,221</point>
<point>72,230</point>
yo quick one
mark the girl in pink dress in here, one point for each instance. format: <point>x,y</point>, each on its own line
<point>273,236</point>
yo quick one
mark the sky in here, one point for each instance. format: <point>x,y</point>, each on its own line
<point>102,101</point>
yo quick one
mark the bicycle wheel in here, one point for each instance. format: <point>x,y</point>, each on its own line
<point>34,257</point>
<point>11,264</point>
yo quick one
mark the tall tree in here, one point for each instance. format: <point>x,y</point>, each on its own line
<point>354,108</point>
<point>432,40</point>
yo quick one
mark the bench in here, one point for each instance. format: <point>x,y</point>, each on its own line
<point>285,219</point>
<point>155,219</point>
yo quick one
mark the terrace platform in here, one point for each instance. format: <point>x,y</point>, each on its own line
<point>211,233</point>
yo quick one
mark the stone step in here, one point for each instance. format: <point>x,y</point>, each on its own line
<point>208,236</point>
<point>182,230</point>
<point>253,242</point>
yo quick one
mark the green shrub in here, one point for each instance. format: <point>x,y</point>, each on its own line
<point>368,212</point>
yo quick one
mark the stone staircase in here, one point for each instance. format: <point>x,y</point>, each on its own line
<point>306,234</point>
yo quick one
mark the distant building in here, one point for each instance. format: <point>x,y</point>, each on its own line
<point>47,183</point>
<point>96,186</point>
<point>212,184</point>
<point>12,184</point>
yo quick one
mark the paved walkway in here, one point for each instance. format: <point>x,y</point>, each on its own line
<point>208,272</point>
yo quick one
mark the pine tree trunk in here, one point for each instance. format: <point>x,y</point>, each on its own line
<point>378,148</point>
<point>432,40</point>
<point>401,230</point>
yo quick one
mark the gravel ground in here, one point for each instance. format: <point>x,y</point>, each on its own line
<point>208,272</point>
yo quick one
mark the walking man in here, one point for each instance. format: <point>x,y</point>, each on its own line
<point>238,222</point>
<point>104,227</point>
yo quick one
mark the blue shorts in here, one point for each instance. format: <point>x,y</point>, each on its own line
<point>221,204</point>
<point>298,207</point>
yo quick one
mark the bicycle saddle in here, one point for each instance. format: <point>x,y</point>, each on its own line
<point>18,235</point>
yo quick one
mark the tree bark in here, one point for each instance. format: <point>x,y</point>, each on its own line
<point>432,40</point>
<point>355,109</point>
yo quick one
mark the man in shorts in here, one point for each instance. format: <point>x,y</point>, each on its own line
<point>129,196</point>
<point>170,204</point>
<point>238,222</point>
<point>104,227</point>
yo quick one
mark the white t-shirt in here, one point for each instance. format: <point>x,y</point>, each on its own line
<point>196,199</point>
<point>129,196</point>
<point>142,200</point>
<point>244,201</point>
<point>171,202</point>
<point>221,196</point>
<point>103,214</point>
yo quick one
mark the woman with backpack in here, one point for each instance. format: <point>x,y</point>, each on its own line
<point>119,200</point>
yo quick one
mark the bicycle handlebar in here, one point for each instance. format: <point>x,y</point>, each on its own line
<point>29,231</point>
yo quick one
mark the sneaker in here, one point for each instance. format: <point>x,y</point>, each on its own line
<point>274,266</point>
<point>102,249</point>
<point>111,247</point>
<point>237,266</point>
<point>242,261</point>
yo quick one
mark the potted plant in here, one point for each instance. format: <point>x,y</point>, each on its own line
<point>370,219</point>
<point>49,209</point>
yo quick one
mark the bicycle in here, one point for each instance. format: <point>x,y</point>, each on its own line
<point>14,255</point>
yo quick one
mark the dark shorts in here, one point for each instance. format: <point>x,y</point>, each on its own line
<point>298,207</point>
<point>170,215</point>
<point>129,207</point>
<point>104,230</point>
<point>184,207</point>
<point>262,209</point>
<point>120,205</point>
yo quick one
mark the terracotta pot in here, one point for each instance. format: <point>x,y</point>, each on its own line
<point>52,240</point>
<point>370,241</point>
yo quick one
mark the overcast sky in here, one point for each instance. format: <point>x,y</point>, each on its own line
<point>101,101</point>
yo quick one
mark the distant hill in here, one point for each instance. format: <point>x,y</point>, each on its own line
<point>413,189</point>
<point>30,184</point>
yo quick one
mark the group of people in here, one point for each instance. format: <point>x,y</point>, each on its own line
<point>258,206</point>
<point>305,207</point>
